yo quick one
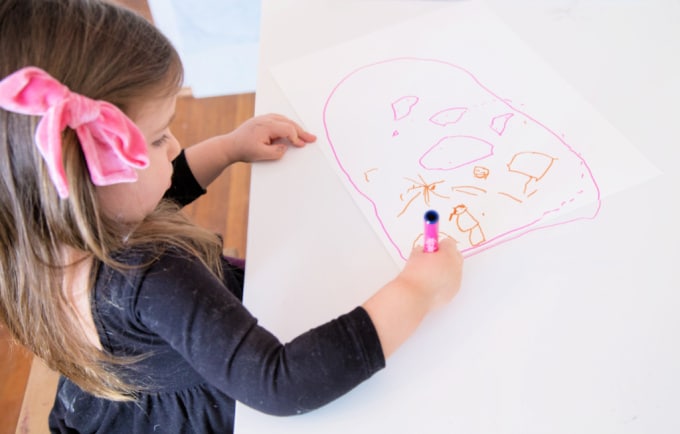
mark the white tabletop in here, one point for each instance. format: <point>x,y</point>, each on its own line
<point>564,330</point>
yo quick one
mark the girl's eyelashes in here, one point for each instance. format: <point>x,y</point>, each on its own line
<point>160,141</point>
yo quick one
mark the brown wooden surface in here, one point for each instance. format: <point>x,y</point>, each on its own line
<point>224,210</point>
<point>15,364</point>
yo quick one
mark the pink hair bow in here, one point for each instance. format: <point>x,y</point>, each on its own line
<point>112,144</point>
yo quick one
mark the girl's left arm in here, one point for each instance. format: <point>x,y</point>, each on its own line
<point>265,137</point>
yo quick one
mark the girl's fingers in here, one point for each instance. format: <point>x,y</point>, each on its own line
<point>307,137</point>
<point>286,128</point>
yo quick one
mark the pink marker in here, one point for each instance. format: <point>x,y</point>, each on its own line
<point>431,233</point>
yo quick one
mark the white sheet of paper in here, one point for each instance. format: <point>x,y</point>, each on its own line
<point>565,331</point>
<point>452,111</point>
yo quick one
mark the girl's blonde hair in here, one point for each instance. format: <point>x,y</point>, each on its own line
<point>104,52</point>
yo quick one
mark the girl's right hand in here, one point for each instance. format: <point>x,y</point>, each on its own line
<point>428,280</point>
<point>437,276</point>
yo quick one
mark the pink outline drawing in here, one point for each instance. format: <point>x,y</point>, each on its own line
<point>403,106</point>
<point>497,172</point>
<point>448,116</point>
<point>498,123</point>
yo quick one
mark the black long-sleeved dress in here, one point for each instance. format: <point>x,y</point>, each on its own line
<point>205,350</point>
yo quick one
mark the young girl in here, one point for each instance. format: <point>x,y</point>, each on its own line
<point>105,280</point>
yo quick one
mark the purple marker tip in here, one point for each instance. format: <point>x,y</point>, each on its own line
<point>431,232</point>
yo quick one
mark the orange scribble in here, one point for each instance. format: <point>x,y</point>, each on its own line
<point>468,189</point>
<point>467,223</point>
<point>480,172</point>
<point>502,193</point>
<point>367,172</point>
<point>533,165</point>
<point>421,188</point>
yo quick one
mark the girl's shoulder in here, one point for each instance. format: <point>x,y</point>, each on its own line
<point>133,266</point>
<point>143,281</point>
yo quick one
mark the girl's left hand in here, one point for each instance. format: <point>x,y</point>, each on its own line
<point>266,137</point>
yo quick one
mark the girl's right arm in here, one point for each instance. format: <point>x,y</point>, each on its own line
<point>187,306</point>
<point>427,281</point>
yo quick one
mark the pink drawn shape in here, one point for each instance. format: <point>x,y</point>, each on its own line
<point>453,152</point>
<point>500,122</point>
<point>403,106</point>
<point>448,116</point>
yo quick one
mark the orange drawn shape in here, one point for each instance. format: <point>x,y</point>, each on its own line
<point>464,219</point>
<point>408,204</point>
<point>476,236</point>
<point>421,187</point>
<point>480,172</point>
<point>367,172</point>
<point>532,164</point>
<point>508,195</point>
<point>468,189</point>
<point>426,188</point>
<point>467,223</point>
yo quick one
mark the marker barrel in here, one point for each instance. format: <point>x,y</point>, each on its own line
<point>431,232</point>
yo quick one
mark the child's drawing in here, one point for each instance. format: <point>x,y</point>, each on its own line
<point>432,136</point>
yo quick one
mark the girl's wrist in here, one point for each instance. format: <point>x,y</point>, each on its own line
<point>227,149</point>
<point>396,311</point>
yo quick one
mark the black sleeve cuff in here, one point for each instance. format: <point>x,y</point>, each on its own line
<point>184,188</point>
